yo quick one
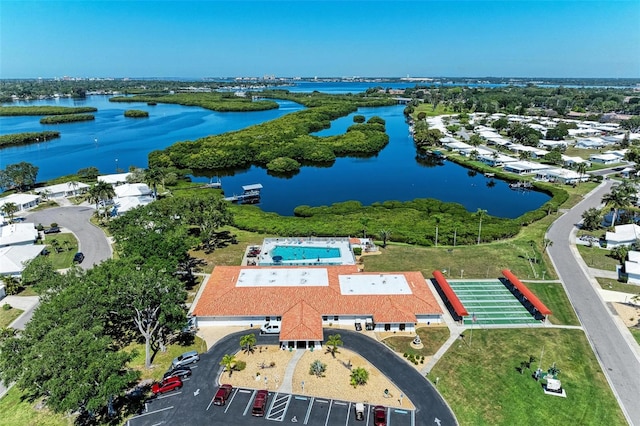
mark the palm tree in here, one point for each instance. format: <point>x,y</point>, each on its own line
<point>152,177</point>
<point>359,376</point>
<point>619,198</point>
<point>581,168</point>
<point>247,342</point>
<point>481,214</point>
<point>228,361</point>
<point>385,234</point>
<point>333,341</point>
<point>74,184</point>
<point>101,191</point>
<point>546,243</point>
<point>9,209</point>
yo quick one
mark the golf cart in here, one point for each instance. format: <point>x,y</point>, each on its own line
<point>359,411</point>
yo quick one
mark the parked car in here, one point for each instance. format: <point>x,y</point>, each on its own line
<point>222,394</point>
<point>185,359</point>
<point>260,403</point>
<point>379,416</point>
<point>52,230</point>
<point>167,385</point>
<point>359,408</point>
<point>272,327</point>
<point>78,257</point>
<point>181,372</point>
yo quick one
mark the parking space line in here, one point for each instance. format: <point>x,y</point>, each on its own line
<point>231,399</point>
<point>278,408</point>
<point>346,420</point>
<point>306,418</point>
<point>339,403</point>
<point>151,412</point>
<point>168,396</point>
<point>246,409</point>
<point>326,422</point>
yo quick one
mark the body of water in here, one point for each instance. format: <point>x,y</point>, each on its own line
<point>113,141</point>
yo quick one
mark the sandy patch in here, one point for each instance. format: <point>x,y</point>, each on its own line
<point>629,314</point>
<point>335,384</point>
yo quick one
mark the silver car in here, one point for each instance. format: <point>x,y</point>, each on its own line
<point>185,359</point>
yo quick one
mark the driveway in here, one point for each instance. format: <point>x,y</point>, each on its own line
<point>93,242</point>
<point>618,360</point>
<point>191,405</point>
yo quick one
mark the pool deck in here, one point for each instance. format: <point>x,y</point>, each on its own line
<point>263,258</point>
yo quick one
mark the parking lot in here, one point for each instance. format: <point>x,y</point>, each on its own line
<point>281,407</point>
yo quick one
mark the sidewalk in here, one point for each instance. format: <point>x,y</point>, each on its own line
<point>287,380</point>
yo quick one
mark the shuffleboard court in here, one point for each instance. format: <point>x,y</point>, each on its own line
<point>489,302</point>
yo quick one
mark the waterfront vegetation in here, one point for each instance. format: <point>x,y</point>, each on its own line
<point>221,102</point>
<point>42,110</point>
<point>27,138</point>
<point>66,118</point>
<point>136,113</point>
<point>488,360</point>
<point>286,137</point>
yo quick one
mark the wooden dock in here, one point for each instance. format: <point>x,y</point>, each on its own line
<point>250,195</point>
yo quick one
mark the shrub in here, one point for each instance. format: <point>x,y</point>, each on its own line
<point>359,376</point>
<point>240,365</point>
<point>357,251</point>
<point>317,368</point>
<point>6,307</point>
<point>53,224</point>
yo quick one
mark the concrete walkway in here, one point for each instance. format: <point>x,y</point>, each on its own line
<point>287,381</point>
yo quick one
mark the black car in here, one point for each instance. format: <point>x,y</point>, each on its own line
<point>181,372</point>
<point>52,230</point>
<point>78,257</point>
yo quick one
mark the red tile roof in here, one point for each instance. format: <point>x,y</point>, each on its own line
<point>302,307</point>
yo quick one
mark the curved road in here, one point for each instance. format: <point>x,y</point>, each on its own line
<point>92,240</point>
<point>618,360</point>
<point>428,403</point>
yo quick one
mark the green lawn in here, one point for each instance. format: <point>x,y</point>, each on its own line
<point>636,333</point>
<point>67,246</point>
<point>554,297</point>
<point>432,339</point>
<point>428,109</point>
<point>16,411</point>
<point>8,316</point>
<point>615,285</point>
<point>482,386</point>
<point>162,361</point>
<point>597,258</point>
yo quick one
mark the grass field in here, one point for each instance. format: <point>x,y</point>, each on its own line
<point>480,381</point>
<point>432,339</point>
<point>67,246</point>
<point>636,334</point>
<point>597,258</point>
<point>615,285</point>
<point>555,298</point>
<point>162,361</point>
<point>16,411</point>
<point>8,316</point>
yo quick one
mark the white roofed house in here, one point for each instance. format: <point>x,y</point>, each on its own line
<point>131,195</point>
<point>114,179</point>
<point>548,144</point>
<point>18,234</point>
<point>591,143</point>
<point>496,159</point>
<point>605,158</point>
<point>624,235</point>
<point>14,258</point>
<point>68,189</point>
<point>22,201</point>
<point>632,267</point>
<point>524,167</point>
<point>574,161</point>
<point>559,175</point>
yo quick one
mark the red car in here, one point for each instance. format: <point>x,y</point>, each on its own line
<point>222,394</point>
<point>260,403</point>
<point>379,416</point>
<point>167,385</point>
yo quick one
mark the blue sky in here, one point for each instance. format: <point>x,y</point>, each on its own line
<point>327,38</point>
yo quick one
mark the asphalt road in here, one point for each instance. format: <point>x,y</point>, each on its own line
<point>190,405</point>
<point>93,242</point>
<point>619,362</point>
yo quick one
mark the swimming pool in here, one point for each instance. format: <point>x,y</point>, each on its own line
<point>304,252</point>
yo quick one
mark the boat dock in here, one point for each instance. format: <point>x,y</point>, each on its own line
<point>250,194</point>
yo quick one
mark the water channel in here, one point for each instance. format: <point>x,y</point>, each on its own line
<point>113,141</point>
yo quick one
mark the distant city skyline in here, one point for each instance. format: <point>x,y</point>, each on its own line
<point>197,39</point>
